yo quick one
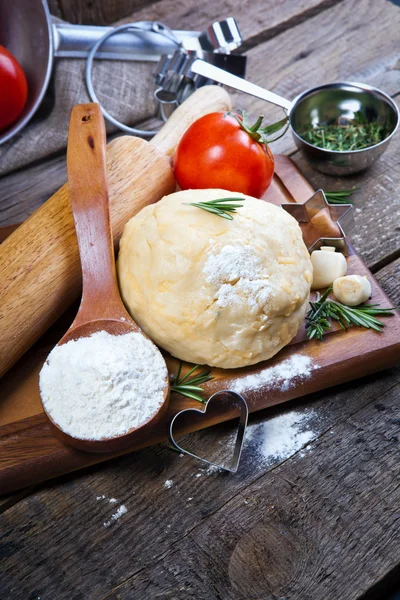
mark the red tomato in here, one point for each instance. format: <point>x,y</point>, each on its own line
<point>215,152</point>
<point>13,89</point>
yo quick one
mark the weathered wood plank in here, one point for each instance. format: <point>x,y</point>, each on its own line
<point>87,12</point>
<point>389,278</point>
<point>345,42</point>
<point>322,525</point>
<point>269,18</point>
<point>262,22</point>
<point>298,60</point>
<point>22,192</point>
<point>158,518</point>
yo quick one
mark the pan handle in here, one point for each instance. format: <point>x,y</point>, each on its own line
<point>75,41</point>
<point>200,67</point>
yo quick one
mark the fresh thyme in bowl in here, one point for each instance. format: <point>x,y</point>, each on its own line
<point>223,207</point>
<point>190,387</point>
<point>321,313</point>
<point>346,134</point>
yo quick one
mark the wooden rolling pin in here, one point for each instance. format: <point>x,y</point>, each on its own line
<point>40,272</point>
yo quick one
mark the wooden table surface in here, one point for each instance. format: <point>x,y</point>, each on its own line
<point>315,516</point>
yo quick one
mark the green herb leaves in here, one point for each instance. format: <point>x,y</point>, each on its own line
<point>340,197</point>
<point>190,387</point>
<point>321,312</point>
<point>258,133</point>
<point>346,134</point>
<point>223,207</point>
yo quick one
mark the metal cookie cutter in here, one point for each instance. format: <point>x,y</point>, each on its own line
<point>172,74</point>
<point>233,401</point>
<point>341,214</point>
<point>174,77</point>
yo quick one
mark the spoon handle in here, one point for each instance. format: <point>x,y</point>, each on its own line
<point>205,69</point>
<point>88,191</point>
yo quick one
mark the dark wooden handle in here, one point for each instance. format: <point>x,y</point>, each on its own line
<point>88,191</point>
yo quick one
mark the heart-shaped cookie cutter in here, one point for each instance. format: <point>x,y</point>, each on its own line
<point>239,402</point>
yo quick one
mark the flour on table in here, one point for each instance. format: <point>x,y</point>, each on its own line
<point>280,436</point>
<point>109,500</point>
<point>168,484</point>
<point>282,376</point>
<point>122,510</point>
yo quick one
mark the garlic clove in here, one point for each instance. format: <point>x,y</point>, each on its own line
<point>328,248</point>
<point>352,290</point>
<point>327,266</point>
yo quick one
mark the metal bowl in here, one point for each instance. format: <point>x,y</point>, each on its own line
<point>324,104</point>
<point>25,30</point>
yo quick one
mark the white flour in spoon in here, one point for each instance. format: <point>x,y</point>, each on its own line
<point>103,385</point>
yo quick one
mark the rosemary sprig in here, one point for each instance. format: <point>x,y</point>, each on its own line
<point>321,313</point>
<point>190,387</point>
<point>219,206</point>
<point>340,197</point>
<point>346,134</point>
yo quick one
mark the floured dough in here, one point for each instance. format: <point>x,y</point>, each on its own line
<point>213,291</point>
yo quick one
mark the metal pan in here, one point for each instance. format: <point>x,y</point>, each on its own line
<point>323,104</point>
<point>27,31</point>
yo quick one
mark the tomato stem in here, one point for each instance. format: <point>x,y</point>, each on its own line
<point>258,133</point>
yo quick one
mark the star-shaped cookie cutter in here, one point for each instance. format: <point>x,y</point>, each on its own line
<point>341,215</point>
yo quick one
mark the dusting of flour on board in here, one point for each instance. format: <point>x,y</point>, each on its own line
<point>282,376</point>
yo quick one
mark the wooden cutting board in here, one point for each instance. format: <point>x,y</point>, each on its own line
<point>29,452</point>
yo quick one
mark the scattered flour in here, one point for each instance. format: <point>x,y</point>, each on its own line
<point>117,515</point>
<point>236,272</point>
<point>168,484</point>
<point>281,436</point>
<point>282,376</point>
<point>103,497</point>
<point>103,385</point>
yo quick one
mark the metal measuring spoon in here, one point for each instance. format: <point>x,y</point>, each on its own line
<point>101,307</point>
<point>323,104</point>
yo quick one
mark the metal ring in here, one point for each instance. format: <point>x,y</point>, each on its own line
<point>155,27</point>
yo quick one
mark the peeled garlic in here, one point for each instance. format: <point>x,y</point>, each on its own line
<point>352,290</point>
<point>327,266</point>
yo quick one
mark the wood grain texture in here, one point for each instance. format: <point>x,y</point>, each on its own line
<point>376,234</point>
<point>345,43</point>
<point>257,22</point>
<point>40,260</point>
<point>176,553</point>
<point>88,12</point>
<point>332,520</point>
<point>40,268</point>
<point>286,64</point>
<point>24,191</point>
<point>34,454</point>
<point>389,279</point>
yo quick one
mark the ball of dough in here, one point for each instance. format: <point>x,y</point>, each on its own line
<point>210,290</point>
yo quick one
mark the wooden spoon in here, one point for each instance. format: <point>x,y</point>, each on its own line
<point>101,307</point>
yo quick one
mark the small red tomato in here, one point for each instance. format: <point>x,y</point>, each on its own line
<point>13,89</point>
<point>217,152</point>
